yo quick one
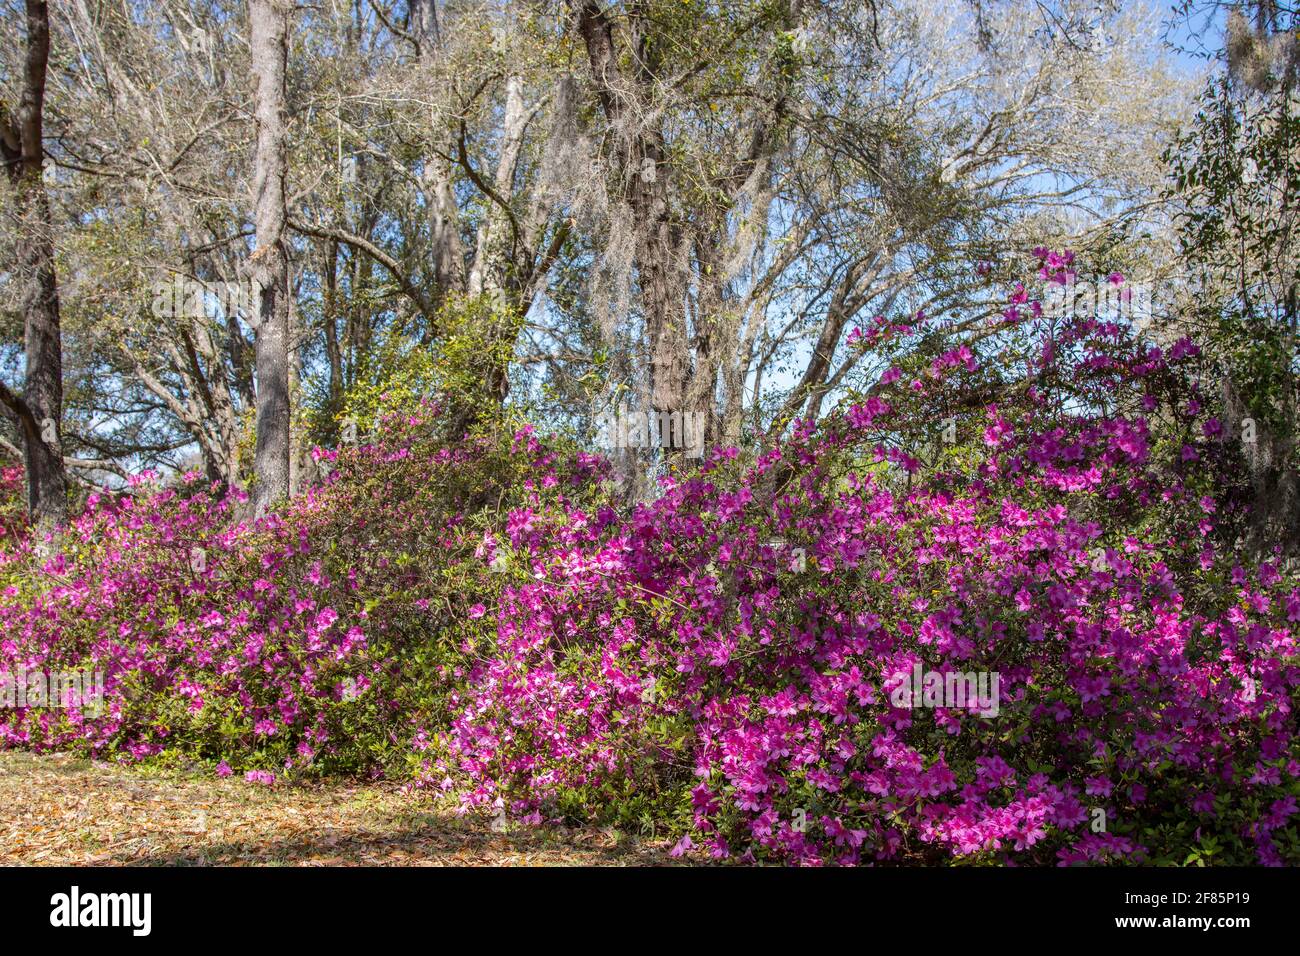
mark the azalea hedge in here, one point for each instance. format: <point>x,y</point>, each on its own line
<point>1052,504</point>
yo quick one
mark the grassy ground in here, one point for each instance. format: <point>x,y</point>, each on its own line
<point>55,810</point>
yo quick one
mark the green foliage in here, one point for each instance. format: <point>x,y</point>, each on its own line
<point>1236,171</point>
<point>465,368</point>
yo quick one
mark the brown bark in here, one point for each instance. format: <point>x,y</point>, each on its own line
<point>448,253</point>
<point>330,309</point>
<point>268,266</point>
<point>39,410</point>
<point>659,249</point>
<point>683,367</point>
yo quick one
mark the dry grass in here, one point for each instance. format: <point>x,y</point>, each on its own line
<point>56,810</point>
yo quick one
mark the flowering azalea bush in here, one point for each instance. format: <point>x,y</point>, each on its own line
<point>13,506</point>
<point>675,667</point>
<point>1048,505</point>
<point>310,641</point>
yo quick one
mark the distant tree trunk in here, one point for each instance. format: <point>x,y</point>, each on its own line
<point>642,161</point>
<point>683,361</point>
<point>39,409</point>
<point>301,469</point>
<point>268,27</point>
<point>448,258</point>
<point>330,309</point>
<point>498,264</point>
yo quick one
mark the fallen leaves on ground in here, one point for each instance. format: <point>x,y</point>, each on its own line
<point>58,810</point>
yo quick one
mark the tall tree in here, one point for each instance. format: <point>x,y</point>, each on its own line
<point>39,409</point>
<point>1236,171</point>
<point>818,164</point>
<point>268,265</point>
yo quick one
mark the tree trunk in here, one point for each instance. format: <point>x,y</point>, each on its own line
<point>40,408</point>
<point>436,178</point>
<point>268,27</point>
<point>47,485</point>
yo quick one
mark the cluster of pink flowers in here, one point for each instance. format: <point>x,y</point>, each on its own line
<point>13,505</point>
<point>1147,675</point>
<point>725,660</point>
<point>297,644</point>
<point>206,629</point>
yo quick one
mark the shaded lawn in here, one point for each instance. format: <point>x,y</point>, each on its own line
<point>58,810</point>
